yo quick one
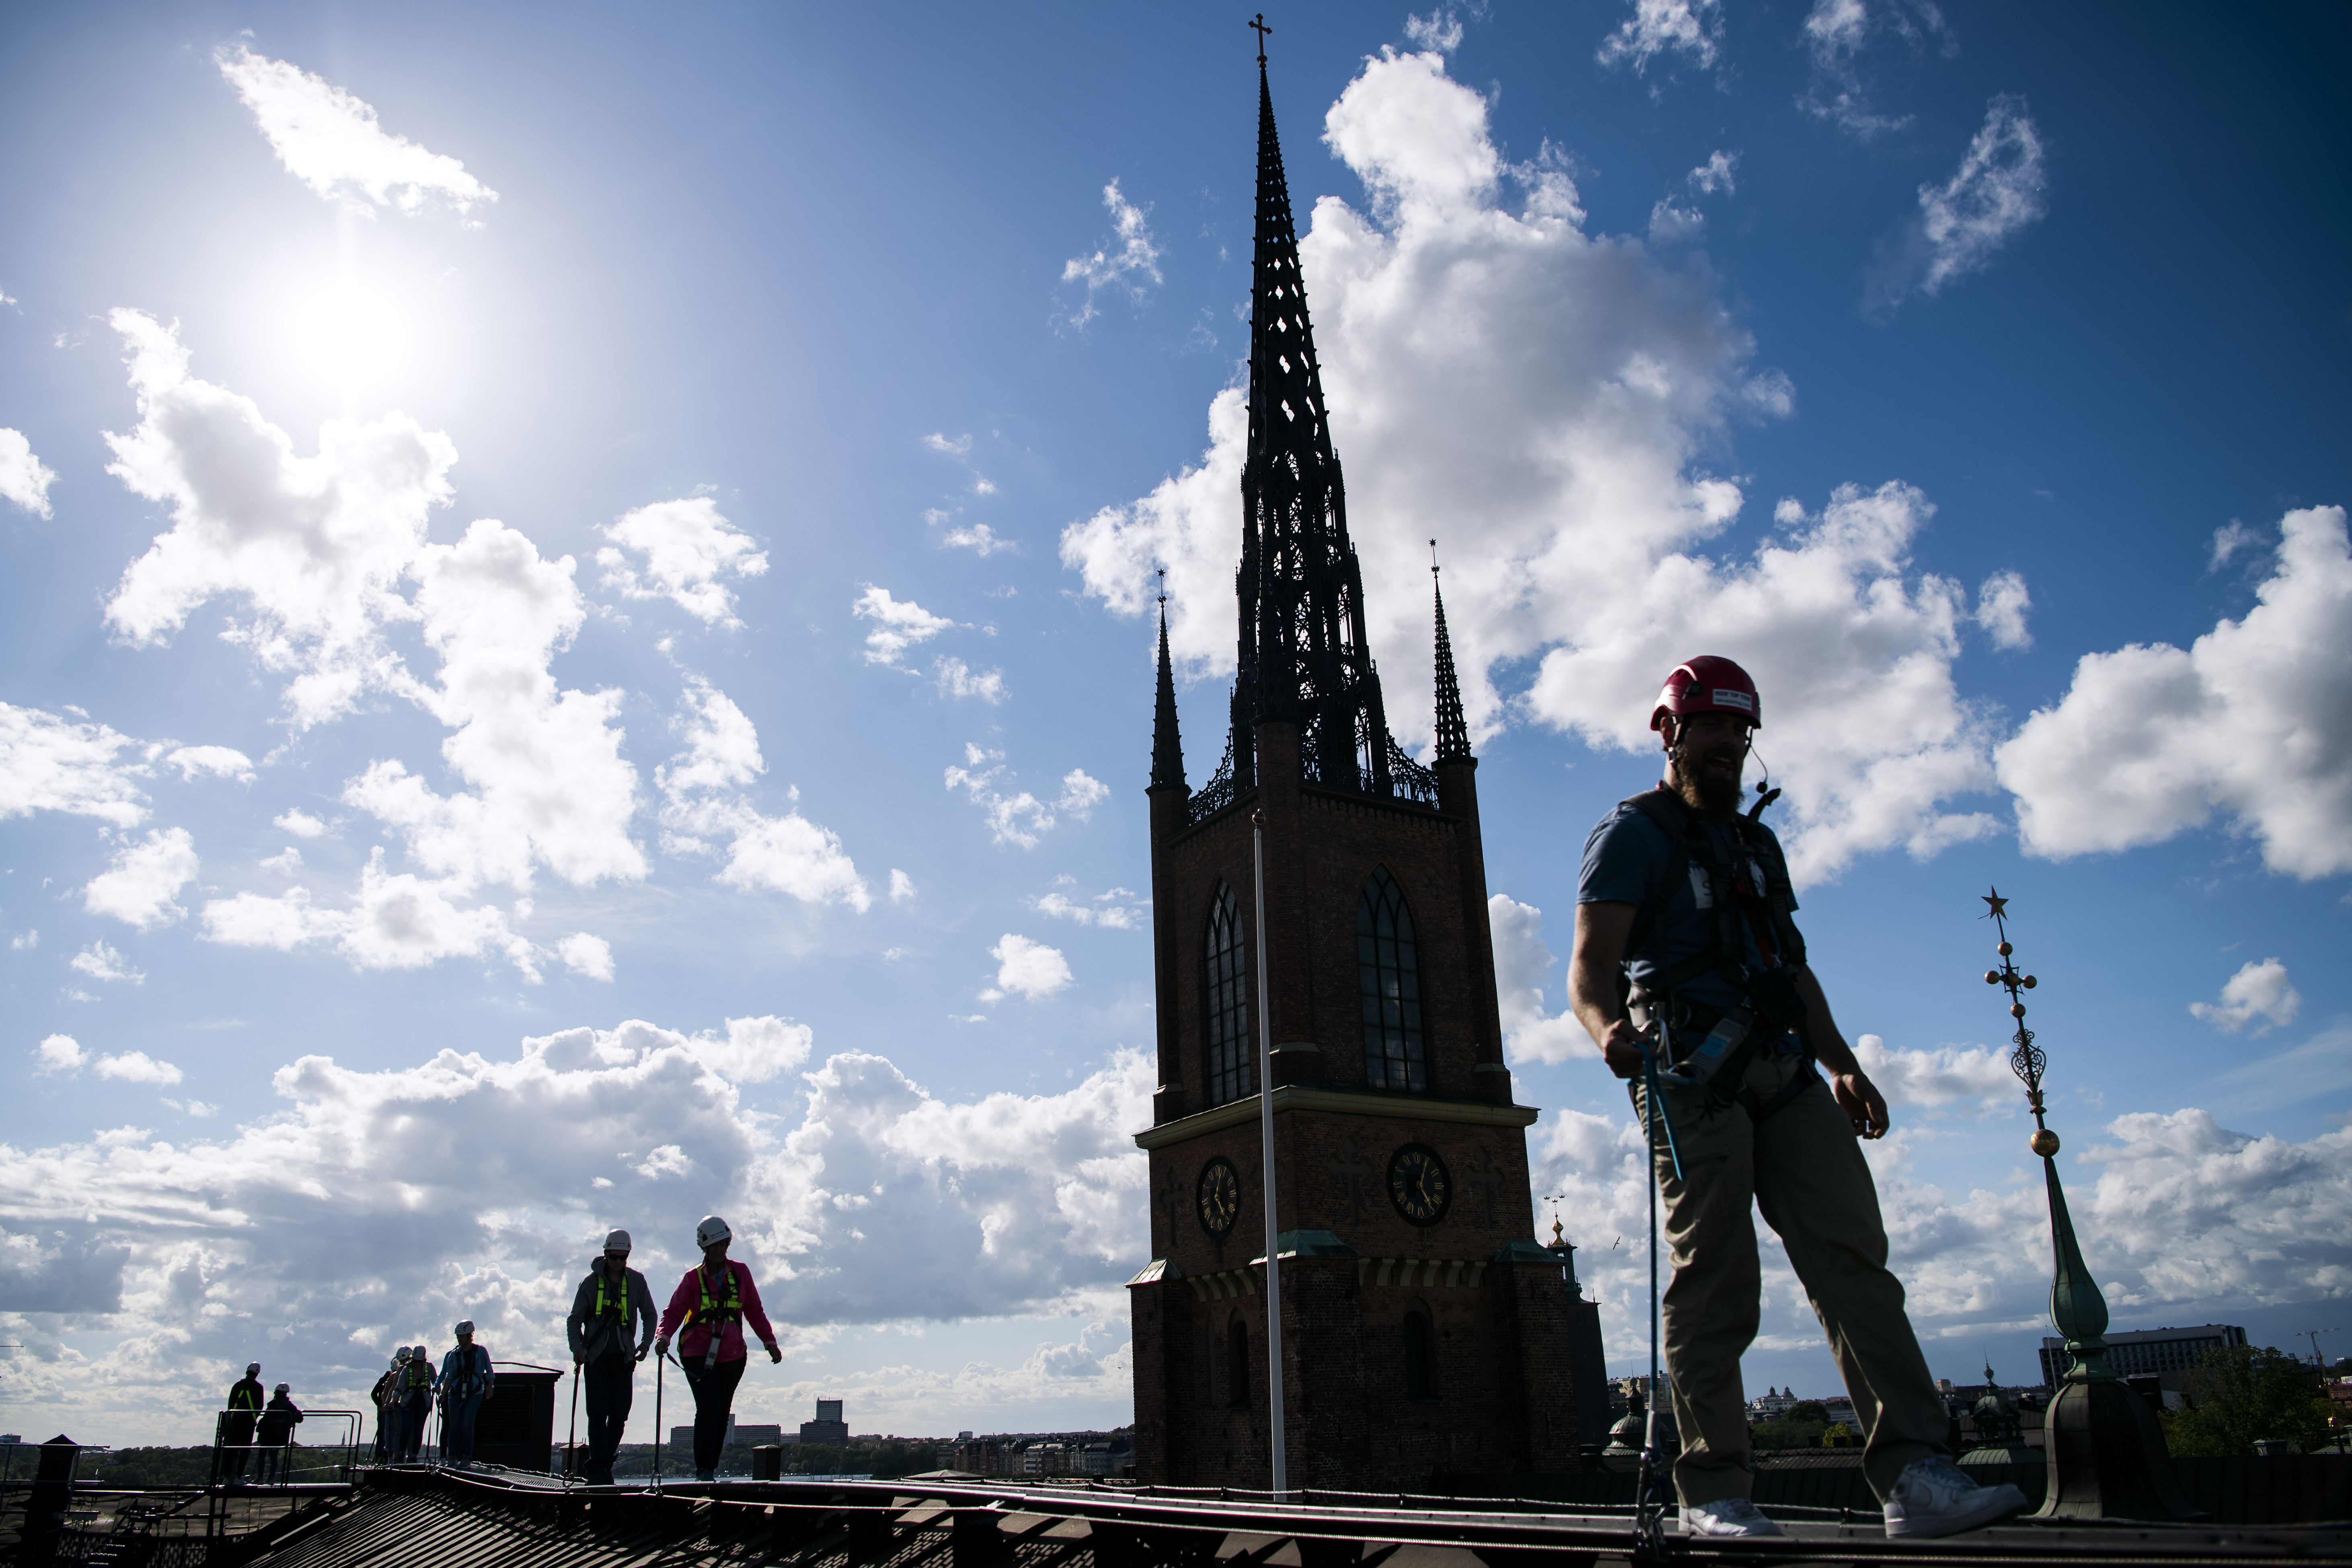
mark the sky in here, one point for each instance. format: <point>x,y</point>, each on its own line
<point>576,645</point>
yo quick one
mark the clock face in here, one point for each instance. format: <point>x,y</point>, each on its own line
<point>1419,1185</point>
<point>1219,1197</point>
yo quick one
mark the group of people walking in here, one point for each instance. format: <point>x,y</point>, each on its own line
<point>612,1328</point>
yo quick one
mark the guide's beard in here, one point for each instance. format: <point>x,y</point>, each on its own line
<point>1710,790</point>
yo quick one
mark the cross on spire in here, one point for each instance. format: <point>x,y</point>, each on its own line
<point>1258,25</point>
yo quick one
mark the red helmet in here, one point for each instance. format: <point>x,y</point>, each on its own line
<point>1708,684</point>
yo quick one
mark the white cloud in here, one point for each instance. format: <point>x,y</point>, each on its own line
<point>2230,538</point>
<point>313,548</point>
<point>1837,32</point>
<point>1440,30</point>
<point>2002,605</point>
<point>2258,991</point>
<point>101,961</point>
<point>138,886</point>
<point>1026,968</point>
<point>1941,1075</point>
<point>26,942</point>
<point>686,547</point>
<point>24,478</point>
<point>902,886</point>
<point>49,763</point>
<point>220,762</point>
<point>330,142</point>
<point>959,679</point>
<point>1021,819</point>
<point>584,953</point>
<point>64,1054</point>
<point>1523,966</point>
<point>1105,909</point>
<point>396,920</point>
<point>978,536</point>
<point>899,624</point>
<point>2185,1212</point>
<point>2252,722</point>
<point>1128,262</point>
<point>1655,27</point>
<point>859,1198</point>
<point>1964,223</point>
<point>298,823</point>
<point>1715,174</point>
<point>286,862</point>
<point>703,796</point>
<point>1543,400</point>
<point>551,785</point>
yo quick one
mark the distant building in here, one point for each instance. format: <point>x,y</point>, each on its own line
<point>753,1434</point>
<point>828,1428</point>
<point>1771,1405</point>
<point>2153,1351</point>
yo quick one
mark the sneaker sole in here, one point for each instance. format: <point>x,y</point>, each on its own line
<point>1993,1509</point>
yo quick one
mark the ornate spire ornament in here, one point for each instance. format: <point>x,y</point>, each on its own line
<point>1453,733</point>
<point>1167,745</point>
<point>2105,1451</point>
<point>1302,655</point>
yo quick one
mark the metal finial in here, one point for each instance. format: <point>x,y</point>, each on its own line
<point>2027,1060</point>
<point>1259,24</point>
<point>1163,584</point>
<point>1432,558</point>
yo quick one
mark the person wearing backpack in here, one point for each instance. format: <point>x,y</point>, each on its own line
<point>1686,950</point>
<point>712,1305</point>
<point>610,1328</point>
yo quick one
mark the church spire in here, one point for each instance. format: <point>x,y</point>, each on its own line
<point>1167,746</point>
<point>1453,734</point>
<point>1303,657</point>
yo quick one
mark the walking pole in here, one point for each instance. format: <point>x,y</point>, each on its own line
<point>1266,1140</point>
<point>571,1444</point>
<point>658,1421</point>
<point>1649,1487</point>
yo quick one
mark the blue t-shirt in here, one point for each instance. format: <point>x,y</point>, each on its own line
<point>1624,858</point>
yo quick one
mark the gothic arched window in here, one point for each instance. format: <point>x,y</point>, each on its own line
<point>1224,972</point>
<point>1391,973</point>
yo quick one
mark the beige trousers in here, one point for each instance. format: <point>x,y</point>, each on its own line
<point>1803,1168</point>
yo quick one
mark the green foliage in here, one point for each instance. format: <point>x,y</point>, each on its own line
<point>128,1467</point>
<point>1807,1410</point>
<point>878,1459</point>
<point>1785,1433</point>
<point>2236,1395</point>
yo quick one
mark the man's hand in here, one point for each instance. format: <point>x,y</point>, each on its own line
<point>1859,1098</point>
<point>775,1353</point>
<point>643,1352</point>
<point>579,1358</point>
<point>1621,1048</point>
<point>661,1347</point>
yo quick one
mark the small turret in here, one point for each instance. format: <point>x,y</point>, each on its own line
<point>1167,745</point>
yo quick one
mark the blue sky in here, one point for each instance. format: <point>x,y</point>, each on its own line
<point>575,648</point>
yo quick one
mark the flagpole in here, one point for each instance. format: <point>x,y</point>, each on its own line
<point>1265,1151</point>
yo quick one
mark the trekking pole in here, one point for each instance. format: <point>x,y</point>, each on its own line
<point>1649,1487</point>
<point>657,1419</point>
<point>571,1444</point>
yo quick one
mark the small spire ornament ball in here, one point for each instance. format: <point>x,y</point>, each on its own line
<point>2044,1142</point>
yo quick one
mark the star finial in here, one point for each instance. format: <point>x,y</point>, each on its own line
<point>1999,906</point>
<point>1163,584</point>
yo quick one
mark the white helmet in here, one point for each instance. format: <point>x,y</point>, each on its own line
<point>711,1232</point>
<point>616,1241</point>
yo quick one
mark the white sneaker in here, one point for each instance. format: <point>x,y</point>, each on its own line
<point>1936,1496</point>
<point>1731,1517</point>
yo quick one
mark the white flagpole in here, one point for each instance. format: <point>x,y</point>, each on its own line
<point>1265,1142</point>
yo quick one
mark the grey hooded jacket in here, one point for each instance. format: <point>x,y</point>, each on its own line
<point>593,1336</point>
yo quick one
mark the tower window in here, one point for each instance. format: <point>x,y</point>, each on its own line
<point>1420,1375</point>
<point>1390,971</point>
<point>1237,1366</point>
<point>1233,1067</point>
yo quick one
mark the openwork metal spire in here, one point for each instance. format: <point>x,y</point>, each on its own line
<point>1452,732</point>
<point>1167,745</point>
<point>1302,651</point>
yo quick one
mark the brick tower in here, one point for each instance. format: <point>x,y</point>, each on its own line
<point>1423,1328</point>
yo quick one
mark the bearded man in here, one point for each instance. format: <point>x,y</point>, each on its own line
<point>1685,948</point>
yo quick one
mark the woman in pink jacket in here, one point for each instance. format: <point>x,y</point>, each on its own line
<point>712,1303</point>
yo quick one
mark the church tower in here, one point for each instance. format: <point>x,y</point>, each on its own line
<point>1424,1328</point>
